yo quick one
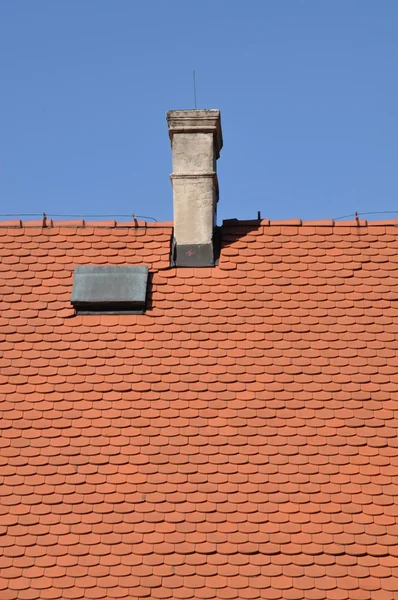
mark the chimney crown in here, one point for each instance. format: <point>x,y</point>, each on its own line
<point>197,121</point>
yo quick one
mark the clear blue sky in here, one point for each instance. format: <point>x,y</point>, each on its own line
<point>308,92</point>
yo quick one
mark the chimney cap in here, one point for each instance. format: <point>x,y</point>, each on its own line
<point>196,121</point>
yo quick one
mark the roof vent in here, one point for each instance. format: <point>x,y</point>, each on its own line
<point>111,290</point>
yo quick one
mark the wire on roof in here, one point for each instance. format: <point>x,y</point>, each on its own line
<point>86,216</point>
<point>377,212</point>
<point>76,216</point>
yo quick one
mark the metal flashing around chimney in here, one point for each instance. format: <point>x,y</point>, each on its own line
<point>196,140</point>
<point>194,255</point>
<point>110,289</point>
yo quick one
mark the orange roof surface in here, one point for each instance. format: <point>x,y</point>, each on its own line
<point>237,441</point>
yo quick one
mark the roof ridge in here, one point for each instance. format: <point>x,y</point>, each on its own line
<point>112,224</point>
<point>310,222</point>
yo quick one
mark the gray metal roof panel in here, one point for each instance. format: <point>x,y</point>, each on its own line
<point>107,285</point>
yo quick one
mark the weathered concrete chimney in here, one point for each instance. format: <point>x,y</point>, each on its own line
<point>196,141</point>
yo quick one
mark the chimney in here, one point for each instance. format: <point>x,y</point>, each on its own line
<point>196,141</point>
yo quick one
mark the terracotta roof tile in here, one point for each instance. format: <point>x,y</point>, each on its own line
<point>236,441</point>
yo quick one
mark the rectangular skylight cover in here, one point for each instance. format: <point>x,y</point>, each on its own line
<point>122,289</point>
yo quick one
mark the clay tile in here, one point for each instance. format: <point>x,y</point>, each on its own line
<point>15,223</point>
<point>320,223</point>
<point>287,222</point>
<point>100,224</point>
<point>356,223</point>
<point>390,222</point>
<point>65,223</point>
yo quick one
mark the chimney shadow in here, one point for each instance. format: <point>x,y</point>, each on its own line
<point>230,231</point>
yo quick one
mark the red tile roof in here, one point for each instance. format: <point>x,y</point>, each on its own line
<point>238,441</point>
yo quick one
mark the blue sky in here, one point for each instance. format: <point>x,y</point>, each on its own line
<point>308,92</point>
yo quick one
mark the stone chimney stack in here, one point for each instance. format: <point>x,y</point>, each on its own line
<point>196,141</point>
